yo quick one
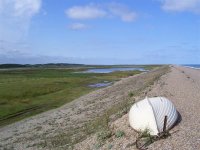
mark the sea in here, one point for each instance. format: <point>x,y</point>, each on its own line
<point>195,66</point>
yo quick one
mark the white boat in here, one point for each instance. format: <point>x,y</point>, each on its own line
<point>149,114</point>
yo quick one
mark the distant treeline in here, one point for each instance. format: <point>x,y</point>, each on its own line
<point>6,66</point>
<point>67,65</point>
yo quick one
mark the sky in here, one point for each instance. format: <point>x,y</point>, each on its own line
<point>100,31</point>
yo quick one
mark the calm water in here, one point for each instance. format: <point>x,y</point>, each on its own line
<point>109,70</point>
<point>98,85</point>
<point>197,66</point>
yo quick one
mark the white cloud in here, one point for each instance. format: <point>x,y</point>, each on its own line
<point>122,11</point>
<point>19,8</point>
<point>85,12</point>
<point>78,26</point>
<point>15,19</point>
<point>27,7</point>
<point>93,11</point>
<point>181,5</point>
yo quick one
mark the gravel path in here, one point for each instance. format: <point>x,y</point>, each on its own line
<point>182,87</point>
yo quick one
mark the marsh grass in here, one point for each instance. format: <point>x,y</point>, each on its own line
<point>27,92</point>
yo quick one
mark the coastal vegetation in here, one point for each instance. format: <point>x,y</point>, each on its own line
<point>31,90</point>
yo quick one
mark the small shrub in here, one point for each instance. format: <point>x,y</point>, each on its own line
<point>144,139</point>
<point>103,135</point>
<point>122,112</point>
<point>131,94</point>
<point>119,134</point>
<point>147,137</point>
<point>145,133</point>
<point>110,146</point>
<point>97,146</point>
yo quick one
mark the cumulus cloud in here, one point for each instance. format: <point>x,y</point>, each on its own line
<point>181,5</point>
<point>85,12</point>
<point>93,11</point>
<point>15,19</point>
<point>78,26</point>
<point>122,11</point>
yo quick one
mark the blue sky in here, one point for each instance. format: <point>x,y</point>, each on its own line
<point>100,32</point>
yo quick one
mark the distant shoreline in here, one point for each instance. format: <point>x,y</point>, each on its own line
<point>192,66</point>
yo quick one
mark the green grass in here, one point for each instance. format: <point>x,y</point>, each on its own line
<point>103,135</point>
<point>27,92</point>
<point>119,134</point>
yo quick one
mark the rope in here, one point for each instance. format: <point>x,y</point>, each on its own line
<point>150,139</point>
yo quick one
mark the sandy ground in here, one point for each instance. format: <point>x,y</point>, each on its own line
<point>49,129</point>
<point>182,87</point>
